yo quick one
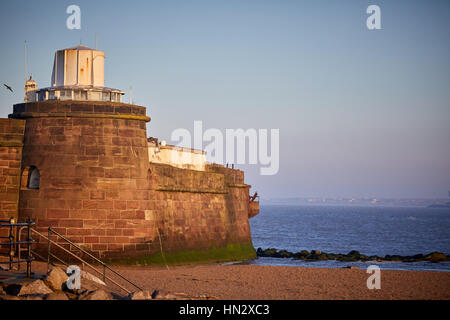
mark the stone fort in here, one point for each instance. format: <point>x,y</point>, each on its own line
<point>75,158</point>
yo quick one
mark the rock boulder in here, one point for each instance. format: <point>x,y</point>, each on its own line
<point>56,279</point>
<point>163,295</point>
<point>96,295</point>
<point>140,295</point>
<point>90,277</point>
<point>34,288</point>
<point>56,296</point>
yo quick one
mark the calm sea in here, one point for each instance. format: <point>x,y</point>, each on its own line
<point>340,229</point>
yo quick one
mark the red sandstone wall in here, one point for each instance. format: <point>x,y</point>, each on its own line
<point>94,186</point>
<point>98,188</point>
<point>199,210</point>
<point>11,141</point>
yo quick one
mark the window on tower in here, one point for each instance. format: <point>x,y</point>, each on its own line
<point>34,178</point>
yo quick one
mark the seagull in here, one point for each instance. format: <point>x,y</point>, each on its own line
<point>8,87</point>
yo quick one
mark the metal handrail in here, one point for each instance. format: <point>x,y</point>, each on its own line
<point>15,243</point>
<point>23,224</point>
<point>96,259</point>
<point>14,261</point>
<point>76,246</point>
<point>105,266</point>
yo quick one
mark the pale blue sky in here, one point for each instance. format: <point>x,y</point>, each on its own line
<point>360,113</point>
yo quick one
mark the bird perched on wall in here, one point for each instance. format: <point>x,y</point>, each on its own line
<point>8,87</point>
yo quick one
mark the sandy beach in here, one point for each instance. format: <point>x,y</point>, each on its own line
<point>250,282</point>
<point>272,282</point>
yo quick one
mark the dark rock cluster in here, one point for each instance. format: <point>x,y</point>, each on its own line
<point>353,255</point>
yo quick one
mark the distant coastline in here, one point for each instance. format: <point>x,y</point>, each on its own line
<point>447,205</point>
<point>379,202</point>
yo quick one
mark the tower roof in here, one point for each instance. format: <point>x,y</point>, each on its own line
<point>79,47</point>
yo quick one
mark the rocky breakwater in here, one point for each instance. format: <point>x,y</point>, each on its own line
<point>53,287</point>
<point>316,255</point>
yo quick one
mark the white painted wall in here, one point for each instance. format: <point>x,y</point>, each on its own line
<point>99,68</point>
<point>177,157</point>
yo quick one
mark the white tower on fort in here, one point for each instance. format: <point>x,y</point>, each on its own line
<point>78,74</point>
<point>78,66</point>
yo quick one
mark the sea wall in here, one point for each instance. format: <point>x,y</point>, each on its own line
<point>98,189</point>
<point>201,216</point>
